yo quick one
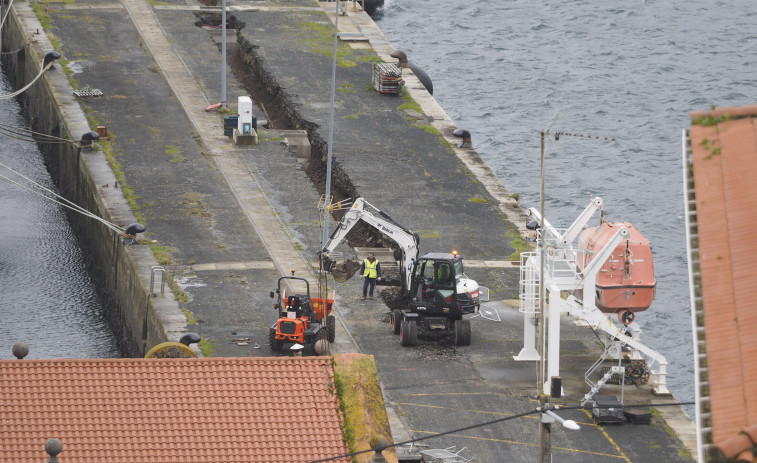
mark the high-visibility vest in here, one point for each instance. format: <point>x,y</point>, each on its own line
<point>370,268</point>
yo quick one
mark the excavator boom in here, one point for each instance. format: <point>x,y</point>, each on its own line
<point>405,239</point>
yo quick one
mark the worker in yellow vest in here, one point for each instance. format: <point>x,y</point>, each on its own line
<point>370,271</point>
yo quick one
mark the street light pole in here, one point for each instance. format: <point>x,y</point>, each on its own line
<point>545,428</point>
<point>223,54</point>
<point>547,418</point>
<point>545,433</point>
<point>542,292</point>
<point>327,195</point>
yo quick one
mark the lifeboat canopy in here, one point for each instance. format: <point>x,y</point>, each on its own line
<point>626,282</point>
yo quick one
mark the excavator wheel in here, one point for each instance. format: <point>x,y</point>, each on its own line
<point>462,332</point>
<point>276,346</point>
<point>330,328</point>
<point>396,320</point>
<point>408,333</point>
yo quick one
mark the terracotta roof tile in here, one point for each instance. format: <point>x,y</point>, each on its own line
<point>724,153</point>
<point>221,410</point>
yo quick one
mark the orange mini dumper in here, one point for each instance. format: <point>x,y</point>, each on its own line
<point>301,319</point>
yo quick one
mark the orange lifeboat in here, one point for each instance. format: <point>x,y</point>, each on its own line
<point>626,283</point>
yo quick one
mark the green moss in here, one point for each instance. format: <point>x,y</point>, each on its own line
<point>410,105</point>
<point>518,243</point>
<point>207,347</point>
<point>709,121</point>
<point>163,254</point>
<point>191,320</point>
<point>479,200</point>
<point>319,38</point>
<point>371,59</point>
<point>361,402</point>
<point>346,408</point>
<point>41,11</point>
<point>112,157</point>
<point>428,128</point>
<point>175,153</point>
<point>427,234</point>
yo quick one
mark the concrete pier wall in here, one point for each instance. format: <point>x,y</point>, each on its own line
<point>83,175</point>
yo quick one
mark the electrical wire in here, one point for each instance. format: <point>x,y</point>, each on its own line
<point>499,420</point>
<point>60,200</point>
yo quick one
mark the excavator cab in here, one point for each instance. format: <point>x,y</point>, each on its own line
<point>438,299</point>
<point>433,278</point>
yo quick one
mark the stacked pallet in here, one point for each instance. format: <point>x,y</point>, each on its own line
<point>387,78</point>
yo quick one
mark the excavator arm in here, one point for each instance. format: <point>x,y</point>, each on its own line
<point>405,239</point>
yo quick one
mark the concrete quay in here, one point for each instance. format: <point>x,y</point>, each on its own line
<point>230,220</point>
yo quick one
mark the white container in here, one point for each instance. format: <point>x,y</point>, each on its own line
<point>244,108</point>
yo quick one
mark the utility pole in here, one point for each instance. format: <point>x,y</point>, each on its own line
<point>545,433</point>
<point>548,417</point>
<point>542,292</point>
<point>223,54</point>
<point>327,195</point>
<point>545,429</point>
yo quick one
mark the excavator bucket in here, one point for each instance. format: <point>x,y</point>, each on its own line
<point>343,271</point>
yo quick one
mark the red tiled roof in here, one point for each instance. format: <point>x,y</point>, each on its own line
<point>209,410</point>
<point>724,152</point>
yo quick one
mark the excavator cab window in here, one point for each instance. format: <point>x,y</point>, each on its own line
<point>424,276</point>
<point>443,275</point>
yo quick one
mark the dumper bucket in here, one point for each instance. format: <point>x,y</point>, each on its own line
<point>323,305</point>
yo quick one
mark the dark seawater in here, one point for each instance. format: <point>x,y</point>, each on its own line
<point>47,299</point>
<point>628,70</point>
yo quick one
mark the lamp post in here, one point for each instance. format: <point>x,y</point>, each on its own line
<point>223,54</point>
<point>547,418</point>
<point>327,195</point>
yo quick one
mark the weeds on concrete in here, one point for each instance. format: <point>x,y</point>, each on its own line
<point>409,105</point>
<point>428,234</point>
<point>163,254</point>
<point>175,153</point>
<point>191,320</point>
<point>518,243</point>
<point>207,347</point>
<point>361,402</point>
<point>320,40</point>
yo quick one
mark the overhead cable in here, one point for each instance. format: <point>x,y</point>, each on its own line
<point>59,199</point>
<point>487,423</point>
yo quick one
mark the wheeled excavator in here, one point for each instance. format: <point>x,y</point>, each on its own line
<point>435,294</point>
